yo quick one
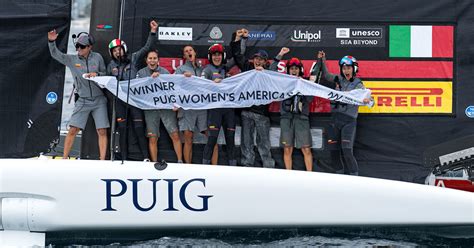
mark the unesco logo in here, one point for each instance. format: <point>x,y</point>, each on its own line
<point>375,33</point>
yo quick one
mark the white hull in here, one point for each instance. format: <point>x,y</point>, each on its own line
<point>43,195</point>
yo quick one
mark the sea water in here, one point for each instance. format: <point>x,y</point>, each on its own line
<point>292,237</point>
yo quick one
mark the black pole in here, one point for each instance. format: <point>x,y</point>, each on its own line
<point>114,114</point>
<point>130,74</point>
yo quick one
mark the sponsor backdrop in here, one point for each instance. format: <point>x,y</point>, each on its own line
<point>417,60</point>
<point>395,52</point>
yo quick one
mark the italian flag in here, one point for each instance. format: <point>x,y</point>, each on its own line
<point>421,41</point>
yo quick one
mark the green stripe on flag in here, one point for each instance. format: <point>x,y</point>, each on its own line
<point>399,43</point>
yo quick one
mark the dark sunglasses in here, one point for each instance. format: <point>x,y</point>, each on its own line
<point>80,46</point>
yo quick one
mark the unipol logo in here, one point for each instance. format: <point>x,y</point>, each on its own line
<point>299,36</point>
<point>138,191</point>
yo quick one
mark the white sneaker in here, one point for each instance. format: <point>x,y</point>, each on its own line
<point>146,160</point>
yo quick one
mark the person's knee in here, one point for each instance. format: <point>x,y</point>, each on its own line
<point>188,137</point>
<point>346,144</point>
<point>230,133</point>
<point>174,136</point>
<point>306,151</point>
<point>102,132</point>
<point>121,121</point>
<point>153,140</point>
<point>287,150</point>
<point>121,126</point>
<point>213,132</point>
<point>333,144</point>
<point>73,131</point>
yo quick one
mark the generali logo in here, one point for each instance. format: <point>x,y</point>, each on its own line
<point>215,35</point>
<point>175,33</point>
<point>306,36</point>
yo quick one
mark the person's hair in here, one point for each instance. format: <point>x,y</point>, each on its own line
<point>188,45</point>
<point>152,51</point>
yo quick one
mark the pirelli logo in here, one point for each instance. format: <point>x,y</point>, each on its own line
<point>400,97</point>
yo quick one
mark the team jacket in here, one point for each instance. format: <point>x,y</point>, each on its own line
<point>340,83</point>
<point>79,66</point>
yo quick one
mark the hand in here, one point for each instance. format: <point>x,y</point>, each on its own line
<point>155,74</point>
<point>217,80</point>
<point>238,34</point>
<point>366,100</point>
<point>91,74</point>
<point>259,68</point>
<point>321,55</point>
<point>115,71</point>
<point>283,51</point>
<point>52,35</point>
<point>241,33</point>
<point>175,109</point>
<point>187,74</point>
<point>245,33</point>
<point>153,26</point>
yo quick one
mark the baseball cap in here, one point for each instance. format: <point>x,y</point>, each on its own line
<point>84,40</point>
<point>262,54</point>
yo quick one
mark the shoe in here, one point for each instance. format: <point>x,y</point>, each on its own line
<point>146,160</point>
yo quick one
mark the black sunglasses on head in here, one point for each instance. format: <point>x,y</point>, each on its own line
<point>80,46</point>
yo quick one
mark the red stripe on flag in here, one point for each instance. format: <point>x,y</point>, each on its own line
<point>400,69</point>
<point>367,69</point>
<point>443,41</point>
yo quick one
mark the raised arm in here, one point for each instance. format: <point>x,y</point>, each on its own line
<point>150,44</point>
<point>331,80</point>
<point>238,47</point>
<point>274,65</point>
<point>62,58</point>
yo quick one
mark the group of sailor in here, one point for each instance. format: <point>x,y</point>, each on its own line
<point>180,123</point>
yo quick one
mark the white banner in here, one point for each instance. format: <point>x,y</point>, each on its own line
<point>253,87</point>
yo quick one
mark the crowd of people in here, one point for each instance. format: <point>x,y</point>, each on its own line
<point>255,120</point>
